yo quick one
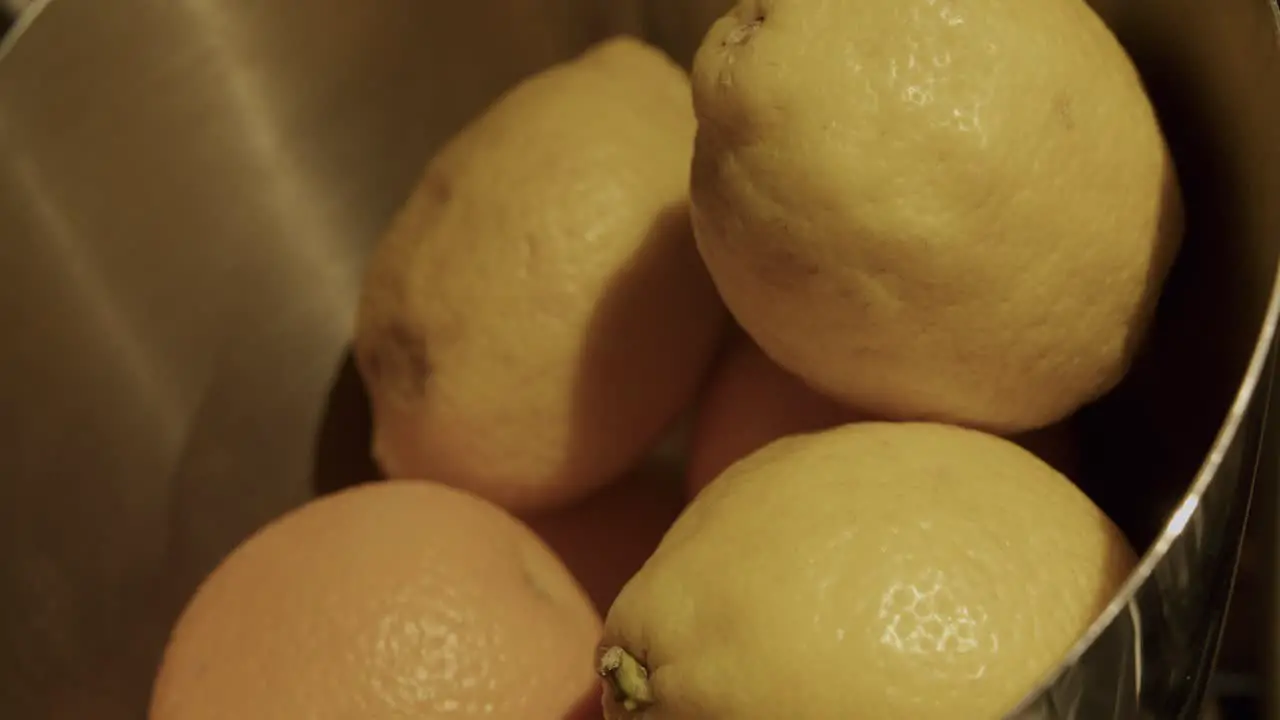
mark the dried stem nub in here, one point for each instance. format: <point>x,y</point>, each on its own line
<point>628,677</point>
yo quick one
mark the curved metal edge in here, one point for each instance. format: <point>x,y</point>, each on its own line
<point>1275,19</point>
<point>1259,362</point>
<point>20,27</point>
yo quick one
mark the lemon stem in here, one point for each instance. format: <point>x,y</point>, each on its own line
<point>628,677</point>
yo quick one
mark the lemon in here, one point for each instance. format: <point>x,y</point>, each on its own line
<point>875,571</point>
<point>537,314</point>
<point>931,209</point>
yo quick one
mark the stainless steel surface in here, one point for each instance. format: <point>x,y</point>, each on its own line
<point>188,189</point>
<point>1214,71</point>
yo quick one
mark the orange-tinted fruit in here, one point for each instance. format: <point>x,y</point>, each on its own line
<point>401,599</point>
<point>605,538</point>
<point>748,403</point>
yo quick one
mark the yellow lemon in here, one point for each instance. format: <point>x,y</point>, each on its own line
<point>876,571</point>
<point>538,314</point>
<point>930,209</point>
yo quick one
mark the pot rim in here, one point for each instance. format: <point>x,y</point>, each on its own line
<point>1176,524</point>
<point>1189,503</point>
<point>21,24</point>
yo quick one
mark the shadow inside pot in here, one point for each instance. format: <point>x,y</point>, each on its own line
<point>342,454</point>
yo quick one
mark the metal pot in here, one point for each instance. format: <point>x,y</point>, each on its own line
<point>188,189</point>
